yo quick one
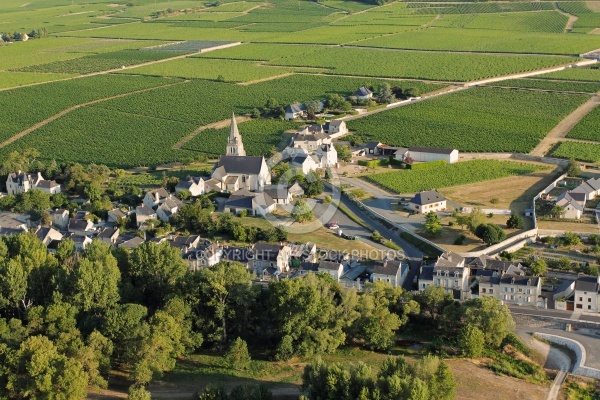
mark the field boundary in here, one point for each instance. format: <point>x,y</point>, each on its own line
<point>215,125</point>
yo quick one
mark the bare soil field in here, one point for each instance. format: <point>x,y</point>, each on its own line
<point>476,382</point>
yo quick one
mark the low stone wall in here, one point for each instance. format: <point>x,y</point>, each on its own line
<point>580,354</point>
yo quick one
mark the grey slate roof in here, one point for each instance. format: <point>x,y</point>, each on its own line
<point>587,284</point>
<point>426,273</point>
<point>295,108</point>
<point>239,254</point>
<point>428,197</point>
<point>144,210</point>
<point>277,191</point>
<point>329,265</point>
<point>510,279</point>
<point>388,267</point>
<point>241,164</point>
<point>363,91</point>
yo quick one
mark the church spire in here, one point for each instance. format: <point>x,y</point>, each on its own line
<point>235,147</point>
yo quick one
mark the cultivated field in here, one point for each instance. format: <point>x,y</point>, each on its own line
<point>579,151</point>
<point>588,128</point>
<point>408,181</point>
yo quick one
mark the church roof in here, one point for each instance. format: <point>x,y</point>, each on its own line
<point>241,164</point>
<point>234,133</point>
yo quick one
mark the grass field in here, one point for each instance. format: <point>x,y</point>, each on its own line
<point>478,119</point>
<point>407,181</point>
<point>588,128</point>
<point>579,151</point>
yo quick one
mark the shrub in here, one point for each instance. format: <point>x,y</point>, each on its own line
<point>238,357</point>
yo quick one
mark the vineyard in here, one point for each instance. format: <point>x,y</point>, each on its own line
<point>587,19</point>
<point>260,136</point>
<point>13,79</point>
<point>479,119</point>
<point>411,181</point>
<point>579,151</point>
<point>483,40</point>
<point>588,128</point>
<point>94,135</point>
<point>547,21</point>
<point>558,86</point>
<point>27,106</point>
<point>101,62</point>
<point>418,65</point>
<point>202,102</point>
<point>204,68</point>
<point>479,8</point>
<point>575,74</point>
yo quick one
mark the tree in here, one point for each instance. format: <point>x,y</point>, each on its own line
<point>571,239</point>
<point>411,92</point>
<point>433,224</point>
<point>19,161</point>
<point>385,94</point>
<point>538,267</point>
<point>491,317</point>
<point>442,386</point>
<point>154,271</point>
<point>313,107</point>
<point>490,233</point>
<point>432,300</point>
<point>33,202</point>
<point>221,297</point>
<point>38,371</point>
<point>476,217</point>
<point>344,153</point>
<point>336,102</point>
<point>472,341</point>
<point>314,184</point>
<point>564,263</point>
<point>557,211</point>
<point>515,222</point>
<point>302,212</point>
<point>573,168</point>
<point>138,392</point>
<point>238,357</point>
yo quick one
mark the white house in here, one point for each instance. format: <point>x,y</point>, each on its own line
<point>294,111</point>
<point>203,256</point>
<point>47,235</point>
<point>587,294</point>
<point>336,128</point>
<point>144,213</point>
<point>333,268</point>
<point>193,184</point>
<point>254,203</point>
<point>305,162</point>
<point>156,197</point>
<point>390,271</point>
<point>168,208</point>
<point>363,93</point>
<point>425,154</point>
<point>279,193</point>
<point>309,142</point>
<point>60,218</point>
<point>109,235</point>
<point>572,203</point>
<point>80,226</point>
<point>296,190</point>
<point>520,289</point>
<point>115,214</point>
<point>327,156</point>
<point>266,255</point>
<point>21,182</point>
<point>449,272</point>
<point>425,202</point>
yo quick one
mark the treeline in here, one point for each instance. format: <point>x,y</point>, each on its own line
<point>76,316</point>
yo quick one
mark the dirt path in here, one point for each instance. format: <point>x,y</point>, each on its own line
<point>75,107</point>
<point>570,22</point>
<point>215,125</point>
<point>555,359</point>
<point>560,131</point>
<point>268,78</point>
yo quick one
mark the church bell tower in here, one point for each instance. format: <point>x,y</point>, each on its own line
<point>235,147</point>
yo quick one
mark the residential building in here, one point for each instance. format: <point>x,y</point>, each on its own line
<point>241,255</point>
<point>520,289</point>
<point>587,294</point>
<point>193,184</point>
<point>363,93</point>
<point>109,235</point>
<point>81,241</point>
<point>335,128</point>
<point>310,141</point>
<point>155,197</point>
<point>373,147</point>
<point>168,208</point>
<point>115,214</point>
<point>130,242</point>
<point>60,218</point>
<point>305,162</point>
<point>279,193</point>
<point>390,271</point>
<point>13,222</point>
<point>449,272</point>
<point>254,203</point>
<point>80,226</point>
<point>266,255</point>
<point>333,268</point>
<point>144,213</point>
<point>185,244</point>
<point>294,111</point>
<point>21,182</point>
<point>572,203</point>
<point>204,255</point>
<point>425,202</point>
<point>47,235</point>
<point>296,190</point>
<point>354,277</point>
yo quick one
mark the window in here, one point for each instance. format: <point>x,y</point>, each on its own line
<point>581,299</point>
<point>589,299</point>
<point>503,297</point>
<point>437,282</point>
<point>491,291</point>
<point>528,299</point>
<point>512,289</point>
<point>589,307</point>
<point>579,306</point>
<point>512,297</point>
<point>528,291</point>
<point>483,290</point>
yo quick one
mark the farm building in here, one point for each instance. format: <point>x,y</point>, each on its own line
<point>424,154</point>
<point>425,202</point>
<point>572,203</point>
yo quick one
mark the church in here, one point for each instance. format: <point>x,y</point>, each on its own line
<point>237,171</point>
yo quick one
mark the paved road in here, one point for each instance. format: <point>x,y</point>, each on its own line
<point>570,315</point>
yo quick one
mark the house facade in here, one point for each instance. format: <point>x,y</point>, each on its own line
<point>390,271</point>
<point>254,203</point>
<point>449,272</point>
<point>587,294</point>
<point>294,111</point>
<point>333,268</point>
<point>266,255</point>
<point>335,128</point>
<point>193,184</point>
<point>426,154</point>
<point>155,198</point>
<point>426,202</point>
<point>21,182</point>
